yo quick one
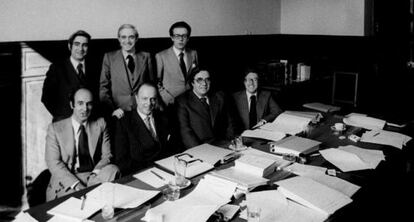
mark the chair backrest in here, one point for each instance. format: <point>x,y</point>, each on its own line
<point>36,192</point>
<point>345,88</point>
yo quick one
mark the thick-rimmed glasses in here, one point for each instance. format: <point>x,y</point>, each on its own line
<point>202,80</point>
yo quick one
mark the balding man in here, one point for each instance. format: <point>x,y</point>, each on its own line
<point>78,149</point>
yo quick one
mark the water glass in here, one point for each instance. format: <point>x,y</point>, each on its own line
<point>171,192</point>
<point>180,167</point>
<point>108,196</point>
<point>253,213</point>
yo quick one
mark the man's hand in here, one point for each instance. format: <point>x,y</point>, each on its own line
<point>119,113</point>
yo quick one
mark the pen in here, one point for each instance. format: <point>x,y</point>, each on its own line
<point>376,134</point>
<point>83,201</point>
<point>159,176</point>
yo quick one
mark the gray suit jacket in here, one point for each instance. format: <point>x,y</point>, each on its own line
<point>266,107</point>
<point>60,152</point>
<point>117,85</point>
<point>169,74</point>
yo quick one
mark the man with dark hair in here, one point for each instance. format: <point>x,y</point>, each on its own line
<point>78,149</point>
<point>254,106</point>
<point>122,72</point>
<point>69,74</point>
<point>203,117</point>
<point>175,63</point>
<point>142,135</point>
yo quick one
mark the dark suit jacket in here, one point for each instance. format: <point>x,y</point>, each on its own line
<point>61,80</point>
<point>169,73</point>
<point>60,152</point>
<point>135,148</point>
<point>117,86</point>
<point>197,126</point>
<point>266,107</point>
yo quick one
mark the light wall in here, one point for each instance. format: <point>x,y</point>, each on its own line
<point>322,17</point>
<point>22,20</point>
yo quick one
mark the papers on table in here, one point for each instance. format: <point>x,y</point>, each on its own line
<point>318,174</point>
<point>292,122</point>
<point>24,217</point>
<point>351,158</point>
<point>275,207</point>
<point>384,137</point>
<point>313,194</point>
<point>65,219</point>
<point>70,209</point>
<point>264,134</point>
<point>228,211</point>
<point>154,177</point>
<point>208,154</point>
<point>295,145</point>
<point>361,120</point>
<point>322,107</point>
<point>209,195</point>
<point>124,196</point>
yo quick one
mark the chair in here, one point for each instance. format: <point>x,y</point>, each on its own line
<point>36,192</point>
<point>345,88</point>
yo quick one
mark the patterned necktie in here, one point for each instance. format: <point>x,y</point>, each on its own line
<point>150,128</point>
<point>85,160</point>
<point>81,74</point>
<point>131,63</point>
<point>182,65</point>
<point>252,112</point>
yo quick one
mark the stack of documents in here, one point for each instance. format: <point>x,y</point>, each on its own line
<point>250,175</point>
<point>364,121</point>
<point>351,158</point>
<point>312,194</point>
<point>385,138</point>
<point>318,174</point>
<point>264,134</point>
<point>71,209</point>
<point>275,207</point>
<point>210,194</point>
<point>296,145</point>
<point>321,107</point>
<point>206,157</point>
<point>292,122</point>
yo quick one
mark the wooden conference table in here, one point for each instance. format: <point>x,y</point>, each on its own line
<point>383,195</point>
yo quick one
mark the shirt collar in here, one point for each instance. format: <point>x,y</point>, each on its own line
<point>76,125</point>
<point>199,97</point>
<point>251,94</point>
<point>75,63</point>
<point>177,52</point>
<point>143,116</point>
<point>126,54</point>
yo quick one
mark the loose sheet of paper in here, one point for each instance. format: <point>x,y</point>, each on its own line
<point>149,176</point>
<point>384,137</point>
<point>71,208</point>
<point>344,160</point>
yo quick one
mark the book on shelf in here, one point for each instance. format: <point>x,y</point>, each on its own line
<point>295,145</point>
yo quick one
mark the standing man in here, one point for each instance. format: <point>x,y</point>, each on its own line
<point>65,76</point>
<point>122,72</point>
<point>254,107</point>
<point>142,135</point>
<point>78,149</point>
<point>203,117</point>
<point>175,63</point>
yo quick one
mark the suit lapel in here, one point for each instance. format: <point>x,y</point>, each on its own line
<point>93,135</point>
<point>121,67</point>
<point>261,102</point>
<point>196,103</point>
<point>175,62</point>
<point>73,74</point>
<point>68,139</point>
<point>214,107</point>
<point>243,107</point>
<point>139,69</point>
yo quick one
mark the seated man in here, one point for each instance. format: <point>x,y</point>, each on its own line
<point>203,117</point>
<point>78,149</point>
<point>255,107</point>
<point>142,135</point>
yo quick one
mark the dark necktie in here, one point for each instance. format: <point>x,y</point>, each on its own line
<point>182,65</point>
<point>252,112</point>
<point>131,63</point>
<point>81,74</point>
<point>205,104</point>
<point>85,160</point>
<point>150,128</point>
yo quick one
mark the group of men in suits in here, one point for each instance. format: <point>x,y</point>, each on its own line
<point>131,95</point>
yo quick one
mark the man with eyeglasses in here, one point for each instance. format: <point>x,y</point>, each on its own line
<point>203,117</point>
<point>122,72</point>
<point>175,63</point>
<point>255,107</point>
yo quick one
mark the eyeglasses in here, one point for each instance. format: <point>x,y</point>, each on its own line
<point>201,80</point>
<point>177,36</point>
<point>188,161</point>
